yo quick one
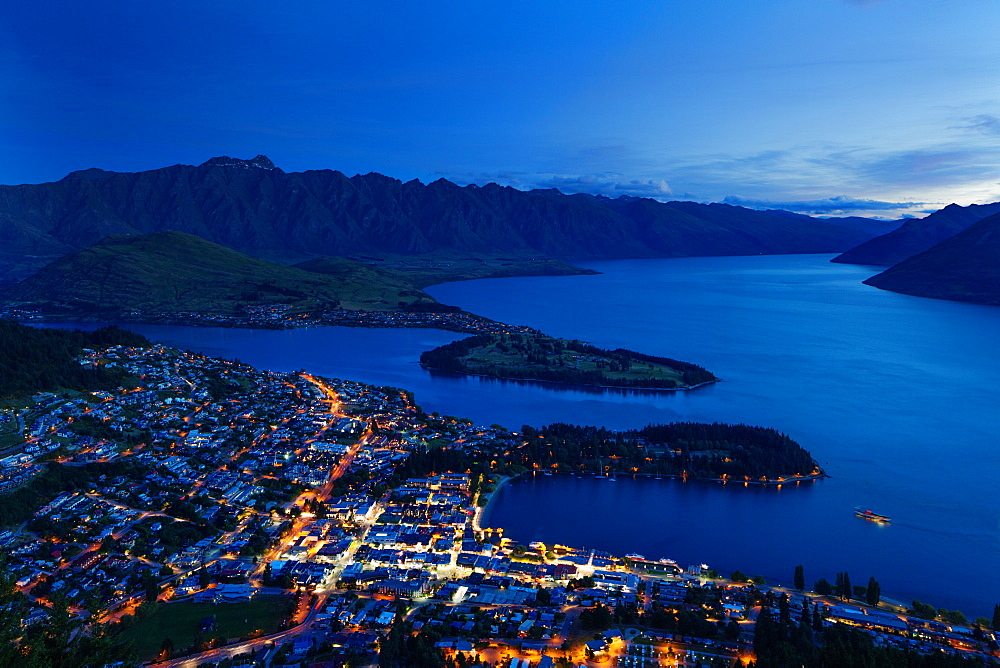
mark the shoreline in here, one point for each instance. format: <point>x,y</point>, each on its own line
<point>483,511</point>
<point>674,476</point>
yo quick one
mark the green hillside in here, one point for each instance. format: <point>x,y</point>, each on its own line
<point>179,272</point>
<point>423,270</point>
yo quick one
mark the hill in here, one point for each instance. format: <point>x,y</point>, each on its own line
<point>965,268</point>
<point>916,236</point>
<point>178,272</point>
<point>44,360</point>
<point>420,271</point>
<point>258,209</point>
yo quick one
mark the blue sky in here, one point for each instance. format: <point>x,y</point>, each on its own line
<point>825,106</point>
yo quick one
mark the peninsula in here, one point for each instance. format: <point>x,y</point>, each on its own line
<point>533,356</point>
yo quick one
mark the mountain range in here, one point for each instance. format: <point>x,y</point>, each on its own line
<point>917,235</point>
<point>256,208</point>
<point>120,241</point>
<point>964,267</point>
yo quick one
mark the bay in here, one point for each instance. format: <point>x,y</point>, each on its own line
<point>895,396</point>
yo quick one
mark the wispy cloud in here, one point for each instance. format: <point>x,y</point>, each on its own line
<point>985,123</point>
<point>839,206</point>
<point>610,184</point>
<point>604,184</point>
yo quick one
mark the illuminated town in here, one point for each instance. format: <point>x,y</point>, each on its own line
<point>216,514</point>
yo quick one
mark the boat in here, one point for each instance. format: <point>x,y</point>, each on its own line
<point>867,514</point>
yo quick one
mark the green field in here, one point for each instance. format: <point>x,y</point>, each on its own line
<point>507,360</point>
<point>181,621</point>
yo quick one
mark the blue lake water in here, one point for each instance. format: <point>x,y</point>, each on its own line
<point>895,396</point>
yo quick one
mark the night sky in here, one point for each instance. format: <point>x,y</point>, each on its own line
<point>821,106</point>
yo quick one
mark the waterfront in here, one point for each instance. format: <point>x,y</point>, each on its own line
<point>894,395</point>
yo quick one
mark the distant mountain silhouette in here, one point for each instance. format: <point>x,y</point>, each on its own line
<point>872,226</point>
<point>918,235</point>
<point>965,267</point>
<point>258,209</point>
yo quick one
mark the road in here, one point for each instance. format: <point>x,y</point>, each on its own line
<point>322,494</point>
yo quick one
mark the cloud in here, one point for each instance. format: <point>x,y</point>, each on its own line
<point>609,184</point>
<point>985,123</point>
<point>918,168</point>
<point>838,206</point>
<point>612,185</point>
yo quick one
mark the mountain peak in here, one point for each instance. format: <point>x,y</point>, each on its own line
<point>260,162</point>
<point>93,174</point>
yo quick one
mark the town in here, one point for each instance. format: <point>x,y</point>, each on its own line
<point>280,316</point>
<point>215,514</point>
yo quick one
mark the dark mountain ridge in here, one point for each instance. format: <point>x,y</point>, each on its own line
<point>965,267</point>
<point>258,209</point>
<point>918,235</point>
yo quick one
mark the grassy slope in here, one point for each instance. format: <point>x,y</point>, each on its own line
<point>421,271</point>
<point>173,271</point>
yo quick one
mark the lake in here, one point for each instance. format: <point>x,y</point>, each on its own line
<point>895,396</point>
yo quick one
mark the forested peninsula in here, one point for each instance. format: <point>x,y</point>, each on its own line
<point>728,452</point>
<point>537,357</point>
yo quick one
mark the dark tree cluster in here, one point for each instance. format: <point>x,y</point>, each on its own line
<point>699,450</point>
<point>782,643</point>
<point>55,642</point>
<point>43,360</point>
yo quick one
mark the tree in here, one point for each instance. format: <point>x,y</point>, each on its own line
<point>924,610</point>
<point>845,590</point>
<point>823,587</point>
<point>800,578</point>
<point>784,612</point>
<point>996,617</point>
<point>874,593</point>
